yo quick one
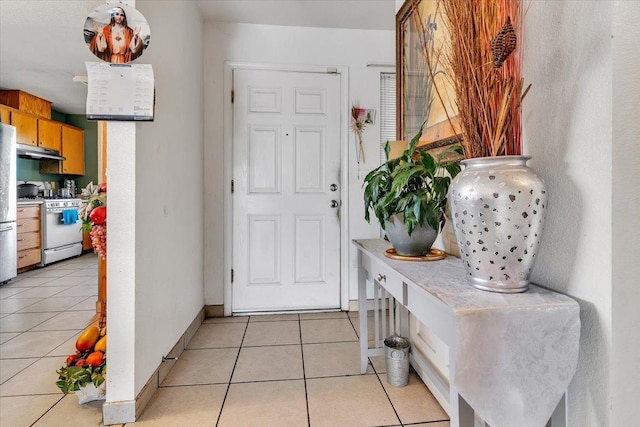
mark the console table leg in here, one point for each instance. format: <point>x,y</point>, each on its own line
<point>362,315</point>
<point>559,416</point>
<point>465,413</point>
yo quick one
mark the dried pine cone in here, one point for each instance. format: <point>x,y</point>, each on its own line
<point>503,44</point>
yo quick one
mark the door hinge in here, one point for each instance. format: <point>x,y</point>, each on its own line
<point>232,275</point>
<point>233,94</point>
<point>232,186</point>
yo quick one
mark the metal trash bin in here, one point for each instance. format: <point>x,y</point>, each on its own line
<point>396,359</point>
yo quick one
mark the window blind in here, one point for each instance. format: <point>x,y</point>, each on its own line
<point>387,111</point>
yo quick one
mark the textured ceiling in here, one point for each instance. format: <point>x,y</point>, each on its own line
<point>41,47</point>
<point>357,14</point>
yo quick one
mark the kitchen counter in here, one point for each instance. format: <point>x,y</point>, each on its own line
<point>30,202</point>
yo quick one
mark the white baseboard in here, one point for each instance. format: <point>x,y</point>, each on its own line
<point>353,305</point>
<point>119,412</point>
<point>129,411</point>
<point>214,311</point>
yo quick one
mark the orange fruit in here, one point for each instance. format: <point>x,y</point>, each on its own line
<point>101,345</point>
<point>87,339</point>
<point>95,359</point>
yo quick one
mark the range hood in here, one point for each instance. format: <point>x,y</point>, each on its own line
<point>37,153</point>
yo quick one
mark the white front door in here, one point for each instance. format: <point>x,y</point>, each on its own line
<point>286,172</point>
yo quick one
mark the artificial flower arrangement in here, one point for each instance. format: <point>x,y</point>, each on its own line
<point>94,216</point>
<point>484,64</point>
<point>496,198</point>
<point>84,371</point>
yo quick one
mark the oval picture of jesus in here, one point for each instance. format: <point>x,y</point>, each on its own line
<point>116,34</point>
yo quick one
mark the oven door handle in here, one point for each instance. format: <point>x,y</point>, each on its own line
<point>58,210</point>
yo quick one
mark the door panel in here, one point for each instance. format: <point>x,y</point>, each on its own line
<point>26,128</point>
<point>309,101</point>
<point>310,249</point>
<point>264,247</point>
<point>286,155</point>
<point>49,134</point>
<point>310,160</point>
<point>264,100</point>
<point>73,150</point>
<point>264,159</point>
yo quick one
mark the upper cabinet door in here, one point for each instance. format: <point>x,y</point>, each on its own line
<point>26,128</point>
<point>49,134</point>
<point>5,115</point>
<point>72,150</point>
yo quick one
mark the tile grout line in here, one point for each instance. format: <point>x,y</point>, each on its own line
<point>375,371</point>
<point>39,358</point>
<point>20,333</point>
<point>242,346</point>
<point>304,373</point>
<point>386,394</point>
<point>45,412</point>
<point>226,393</point>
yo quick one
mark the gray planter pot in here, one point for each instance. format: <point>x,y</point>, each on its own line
<point>498,207</point>
<point>418,244</point>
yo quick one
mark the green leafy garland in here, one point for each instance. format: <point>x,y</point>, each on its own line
<point>71,378</point>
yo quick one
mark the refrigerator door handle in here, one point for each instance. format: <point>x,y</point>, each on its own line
<point>6,228</point>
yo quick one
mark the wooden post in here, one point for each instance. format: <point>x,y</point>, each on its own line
<point>101,304</point>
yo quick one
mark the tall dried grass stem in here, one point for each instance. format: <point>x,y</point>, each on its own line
<point>484,60</point>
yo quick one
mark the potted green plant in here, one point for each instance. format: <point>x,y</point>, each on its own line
<point>408,195</point>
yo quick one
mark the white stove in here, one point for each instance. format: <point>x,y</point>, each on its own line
<point>60,204</point>
<point>61,225</point>
<point>61,229</point>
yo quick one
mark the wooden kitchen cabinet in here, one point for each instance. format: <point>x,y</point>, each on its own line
<point>26,128</point>
<point>49,134</point>
<point>23,101</point>
<point>34,127</point>
<point>72,149</point>
<point>5,115</point>
<point>29,239</point>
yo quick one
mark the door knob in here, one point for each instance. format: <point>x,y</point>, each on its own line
<point>334,204</point>
<point>333,187</point>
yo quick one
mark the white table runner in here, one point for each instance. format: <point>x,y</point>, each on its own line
<point>516,353</point>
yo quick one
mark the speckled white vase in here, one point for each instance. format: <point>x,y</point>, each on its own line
<point>498,207</point>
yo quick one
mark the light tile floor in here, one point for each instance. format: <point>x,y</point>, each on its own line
<point>272,370</point>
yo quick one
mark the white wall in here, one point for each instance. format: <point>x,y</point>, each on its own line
<point>579,123</point>
<point>581,127</point>
<point>264,44</point>
<point>625,354</point>
<point>155,206</point>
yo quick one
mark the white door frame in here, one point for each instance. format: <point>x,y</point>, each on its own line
<point>343,74</point>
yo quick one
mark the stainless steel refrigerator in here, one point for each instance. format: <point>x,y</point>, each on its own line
<point>8,250</point>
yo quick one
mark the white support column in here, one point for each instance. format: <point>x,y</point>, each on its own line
<point>119,407</point>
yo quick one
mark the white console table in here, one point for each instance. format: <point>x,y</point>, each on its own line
<point>511,356</point>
